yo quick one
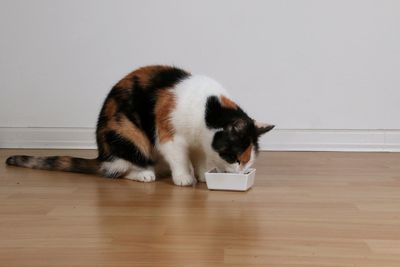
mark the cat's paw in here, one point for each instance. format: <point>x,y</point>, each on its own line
<point>142,176</point>
<point>184,180</point>
<point>201,177</point>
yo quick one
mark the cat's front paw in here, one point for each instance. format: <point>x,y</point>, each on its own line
<point>183,180</point>
<point>201,177</point>
<point>142,176</point>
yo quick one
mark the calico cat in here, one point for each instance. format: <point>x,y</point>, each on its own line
<point>164,112</point>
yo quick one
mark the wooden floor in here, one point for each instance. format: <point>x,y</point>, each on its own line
<point>306,209</point>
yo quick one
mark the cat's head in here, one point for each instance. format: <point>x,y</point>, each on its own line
<point>237,143</point>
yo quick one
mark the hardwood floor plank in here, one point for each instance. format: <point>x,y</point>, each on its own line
<point>307,209</point>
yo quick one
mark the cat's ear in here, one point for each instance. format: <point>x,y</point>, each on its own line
<point>263,128</point>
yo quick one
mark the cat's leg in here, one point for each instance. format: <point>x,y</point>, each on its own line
<point>129,143</point>
<point>176,153</point>
<point>141,174</point>
<point>199,161</point>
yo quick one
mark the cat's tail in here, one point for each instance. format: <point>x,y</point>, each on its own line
<point>57,163</point>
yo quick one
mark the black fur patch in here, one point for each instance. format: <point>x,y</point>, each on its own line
<point>82,166</point>
<point>141,109</point>
<point>166,78</point>
<point>231,145</point>
<point>124,149</point>
<point>17,160</point>
<point>10,160</point>
<point>51,162</point>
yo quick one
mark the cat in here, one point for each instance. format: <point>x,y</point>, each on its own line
<point>158,113</point>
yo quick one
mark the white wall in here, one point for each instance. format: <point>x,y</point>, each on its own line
<point>314,65</point>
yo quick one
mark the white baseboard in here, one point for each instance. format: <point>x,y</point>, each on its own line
<point>332,140</point>
<point>279,139</point>
<point>68,138</point>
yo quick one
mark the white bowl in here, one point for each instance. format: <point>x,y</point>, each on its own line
<point>230,181</point>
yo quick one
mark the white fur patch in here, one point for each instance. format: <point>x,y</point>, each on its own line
<point>116,167</point>
<point>176,153</point>
<point>141,175</point>
<point>251,161</point>
<point>188,117</point>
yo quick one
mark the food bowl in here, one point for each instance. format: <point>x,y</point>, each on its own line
<point>230,181</point>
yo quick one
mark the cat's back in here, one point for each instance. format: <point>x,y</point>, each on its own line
<point>155,78</point>
<point>192,93</point>
<point>157,101</point>
<point>200,86</point>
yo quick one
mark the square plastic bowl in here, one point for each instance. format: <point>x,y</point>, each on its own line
<point>230,181</point>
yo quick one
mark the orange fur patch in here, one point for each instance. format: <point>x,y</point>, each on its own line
<point>226,102</point>
<point>125,83</point>
<point>64,163</point>
<point>246,155</point>
<point>164,106</point>
<point>128,130</point>
<point>110,108</point>
<point>143,75</point>
<point>103,145</point>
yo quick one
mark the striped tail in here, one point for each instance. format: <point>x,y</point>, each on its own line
<point>56,163</point>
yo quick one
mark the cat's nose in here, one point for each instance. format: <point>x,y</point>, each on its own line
<point>244,167</point>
